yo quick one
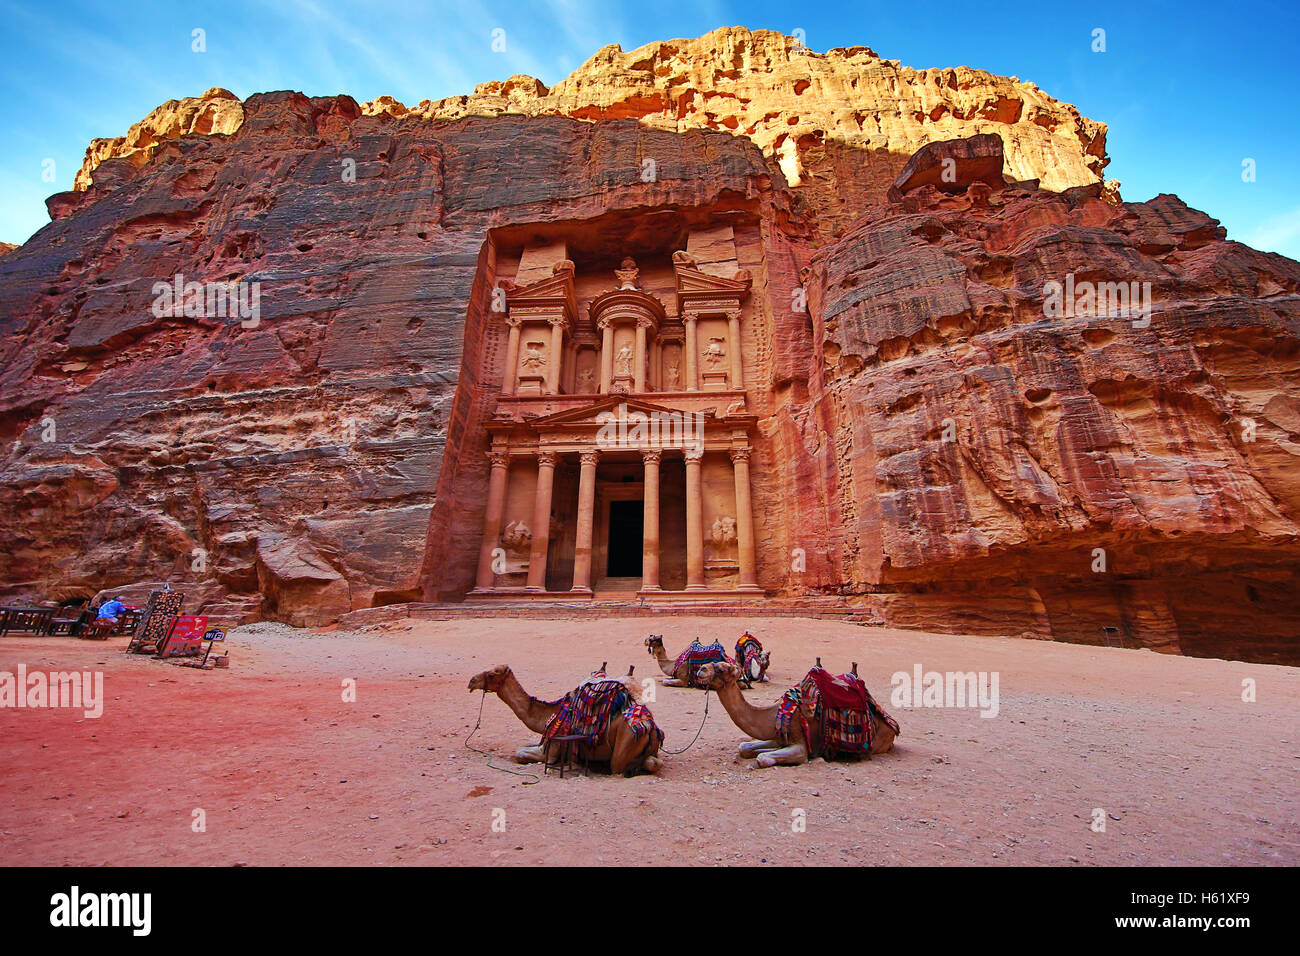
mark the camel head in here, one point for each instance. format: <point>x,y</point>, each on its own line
<point>654,643</point>
<point>717,676</point>
<point>490,680</point>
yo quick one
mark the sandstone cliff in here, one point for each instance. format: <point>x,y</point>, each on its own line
<point>839,123</point>
<point>947,454</point>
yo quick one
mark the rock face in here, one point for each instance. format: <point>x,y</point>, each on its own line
<point>984,451</point>
<point>839,123</point>
<point>217,111</point>
<point>951,444</point>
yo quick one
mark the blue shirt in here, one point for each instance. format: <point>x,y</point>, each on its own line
<point>111,608</point>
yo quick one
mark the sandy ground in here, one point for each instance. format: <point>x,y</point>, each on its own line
<point>286,772</point>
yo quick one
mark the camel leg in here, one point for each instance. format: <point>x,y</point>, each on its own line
<point>672,682</point>
<point>627,752</point>
<point>751,747</point>
<point>532,754</point>
<point>791,756</point>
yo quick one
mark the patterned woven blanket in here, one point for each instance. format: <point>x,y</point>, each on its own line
<point>697,655</point>
<point>748,648</point>
<point>841,706</point>
<point>588,708</point>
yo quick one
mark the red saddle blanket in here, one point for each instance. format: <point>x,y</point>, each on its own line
<point>588,708</point>
<point>842,707</point>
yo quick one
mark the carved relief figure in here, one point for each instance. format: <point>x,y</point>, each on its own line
<point>723,531</point>
<point>533,357</point>
<point>586,381</point>
<point>517,538</point>
<point>674,376</point>
<point>623,361</point>
<point>714,353</point>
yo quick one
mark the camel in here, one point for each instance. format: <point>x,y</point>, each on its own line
<point>679,675</point>
<point>625,752</point>
<point>769,746</point>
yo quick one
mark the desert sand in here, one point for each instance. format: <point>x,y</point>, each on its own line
<point>286,772</point>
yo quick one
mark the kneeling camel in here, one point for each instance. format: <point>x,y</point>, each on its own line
<point>625,752</point>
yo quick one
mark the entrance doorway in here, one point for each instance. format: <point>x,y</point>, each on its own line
<point>626,519</point>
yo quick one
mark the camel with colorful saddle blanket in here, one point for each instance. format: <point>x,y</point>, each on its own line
<point>753,660</point>
<point>822,715</point>
<point>606,711</point>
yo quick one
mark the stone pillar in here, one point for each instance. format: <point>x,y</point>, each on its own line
<point>694,524</point>
<point>638,371</point>
<point>744,520</point>
<point>650,542</point>
<point>556,363</point>
<point>733,340</point>
<point>496,503</point>
<point>692,356</point>
<point>586,522</point>
<point>606,356</point>
<point>541,522</point>
<point>511,378</point>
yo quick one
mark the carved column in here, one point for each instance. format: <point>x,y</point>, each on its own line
<point>638,373</point>
<point>586,522</point>
<point>650,543</point>
<point>557,357</point>
<point>541,522</point>
<point>496,503</point>
<point>606,356</point>
<point>733,339</point>
<point>511,378</point>
<point>744,520</point>
<point>692,356</point>
<point>694,524</point>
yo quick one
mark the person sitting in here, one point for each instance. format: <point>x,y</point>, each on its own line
<point>110,610</point>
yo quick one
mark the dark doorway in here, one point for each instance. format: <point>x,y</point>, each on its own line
<point>625,534</point>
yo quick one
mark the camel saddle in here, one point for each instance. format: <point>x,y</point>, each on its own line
<point>587,710</point>
<point>697,655</point>
<point>747,648</point>
<point>840,705</point>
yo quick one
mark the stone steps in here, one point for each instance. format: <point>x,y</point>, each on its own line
<point>826,609</point>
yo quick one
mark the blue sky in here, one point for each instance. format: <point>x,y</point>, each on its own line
<point>1189,90</point>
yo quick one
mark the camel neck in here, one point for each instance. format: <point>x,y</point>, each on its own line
<point>758,722</point>
<point>534,713</point>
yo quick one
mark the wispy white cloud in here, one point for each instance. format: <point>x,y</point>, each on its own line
<point>1280,233</point>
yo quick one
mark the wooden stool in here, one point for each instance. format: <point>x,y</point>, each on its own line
<point>570,748</point>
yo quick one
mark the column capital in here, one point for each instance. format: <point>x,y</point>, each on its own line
<point>605,322</point>
<point>693,455</point>
<point>498,459</point>
<point>645,322</point>
<point>740,454</point>
<point>733,315</point>
<point>589,457</point>
<point>546,459</point>
<point>651,457</point>
<point>513,321</point>
<point>558,320</point>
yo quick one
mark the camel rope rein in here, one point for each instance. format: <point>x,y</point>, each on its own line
<point>478,723</point>
<point>674,753</point>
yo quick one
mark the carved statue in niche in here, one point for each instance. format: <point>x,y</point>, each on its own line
<point>714,353</point>
<point>723,531</point>
<point>623,361</point>
<point>533,357</point>
<point>674,377</point>
<point>628,274</point>
<point>586,381</point>
<point>517,538</point>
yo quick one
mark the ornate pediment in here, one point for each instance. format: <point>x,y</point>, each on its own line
<point>553,295</point>
<point>702,290</point>
<point>591,413</point>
